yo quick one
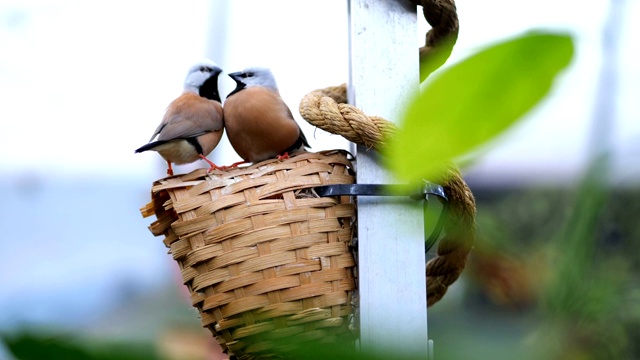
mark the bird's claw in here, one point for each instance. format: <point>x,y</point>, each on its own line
<point>233,166</point>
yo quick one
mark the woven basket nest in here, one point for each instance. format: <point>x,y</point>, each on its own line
<point>264,257</point>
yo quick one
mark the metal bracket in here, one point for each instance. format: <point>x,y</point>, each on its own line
<point>416,192</point>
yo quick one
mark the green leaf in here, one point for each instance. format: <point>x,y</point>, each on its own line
<point>472,102</point>
<point>28,345</point>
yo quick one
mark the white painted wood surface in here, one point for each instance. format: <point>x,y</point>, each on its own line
<point>384,72</point>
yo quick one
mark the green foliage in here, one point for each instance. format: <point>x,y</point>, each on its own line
<point>586,300</point>
<point>581,253</point>
<point>32,346</point>
<point>472,102</point>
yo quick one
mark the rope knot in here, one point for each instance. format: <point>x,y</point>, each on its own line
<point>328,109</point>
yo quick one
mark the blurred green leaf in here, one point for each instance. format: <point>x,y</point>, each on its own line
<point>28,346</point>
<point>340,350</point>
<point>471,102</point>
<point>588,289</point>
<point>36,346</point>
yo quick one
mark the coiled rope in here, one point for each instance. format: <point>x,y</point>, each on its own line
<point>328,109</point>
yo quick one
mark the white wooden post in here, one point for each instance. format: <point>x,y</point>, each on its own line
<point>384,73</point>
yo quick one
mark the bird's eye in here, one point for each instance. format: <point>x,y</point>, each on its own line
<point>250,74</point>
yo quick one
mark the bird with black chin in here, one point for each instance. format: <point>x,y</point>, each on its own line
<point>259,124</point>
<point>193,123</point>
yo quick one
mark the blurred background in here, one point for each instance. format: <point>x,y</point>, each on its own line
<point>83,84</point>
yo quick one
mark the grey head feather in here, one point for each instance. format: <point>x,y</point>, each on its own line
<point>259,76</point>
<point>199,73</point>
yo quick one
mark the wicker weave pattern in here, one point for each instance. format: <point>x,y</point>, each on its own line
<point>263,256</point>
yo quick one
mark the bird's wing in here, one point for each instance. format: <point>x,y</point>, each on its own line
<point>302,137</point>
<point>188,116</point>
<point>259,124</point>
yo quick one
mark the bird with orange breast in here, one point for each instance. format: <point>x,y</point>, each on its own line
<point>193,123</point>
<point>259,124</point>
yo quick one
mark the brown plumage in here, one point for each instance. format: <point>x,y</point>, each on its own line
<point>193,123</point>
<point>259,124</point>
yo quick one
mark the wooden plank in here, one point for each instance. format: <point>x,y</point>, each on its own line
<point>384,73</point>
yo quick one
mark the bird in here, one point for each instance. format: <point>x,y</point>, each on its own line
<point>258,122</point>
<point>193,123</point>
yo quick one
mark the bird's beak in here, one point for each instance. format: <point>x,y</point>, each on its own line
<point>236,75</point>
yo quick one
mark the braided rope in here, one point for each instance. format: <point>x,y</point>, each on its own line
<point>328,109</point>
<point>443,17</point>
<point>325,108</point>
<point>460,233</point>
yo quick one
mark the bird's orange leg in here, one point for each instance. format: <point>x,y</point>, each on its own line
<point>213,166</point>
<point>283,156</point>
<point>169,169</point>
<point>235,165</point>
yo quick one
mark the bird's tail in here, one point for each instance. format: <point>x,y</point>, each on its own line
<point>150,146</point>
